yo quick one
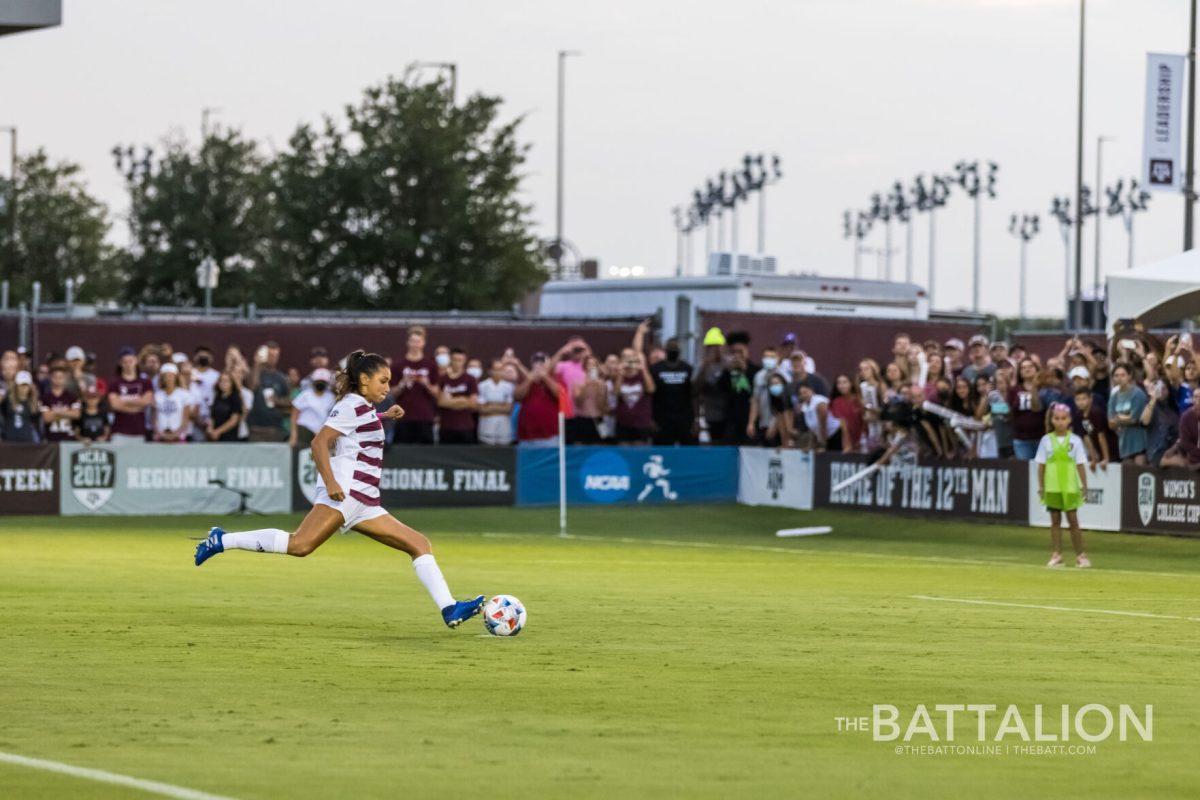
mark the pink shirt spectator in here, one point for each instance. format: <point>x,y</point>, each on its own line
<point>571,375</point>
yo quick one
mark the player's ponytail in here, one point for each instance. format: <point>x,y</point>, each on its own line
<point>353,369</point>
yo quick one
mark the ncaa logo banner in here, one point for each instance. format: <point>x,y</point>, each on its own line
<point>145,479</point>
<point>775,478</point>
<point>1161,501</point>
<point>629,475</point>
<point>29,479</point>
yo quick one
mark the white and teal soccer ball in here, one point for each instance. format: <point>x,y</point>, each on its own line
<point>504,615</point>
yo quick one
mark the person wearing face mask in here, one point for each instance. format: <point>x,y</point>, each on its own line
<point>674,405</point>
<point>311,407</point>
<point>475,369</point>
<point>761,408</point>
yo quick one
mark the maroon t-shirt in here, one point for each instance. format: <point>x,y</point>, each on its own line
<point>418,404</point>
<point>1095,427</point>
<point>538,418</point>
<point>633,404</point>
<point>458,419</point>
<point>61,429</point>
<point>131,424</point>
<point>1027,424</point>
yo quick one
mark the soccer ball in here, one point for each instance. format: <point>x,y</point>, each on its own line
<point>504,615</point>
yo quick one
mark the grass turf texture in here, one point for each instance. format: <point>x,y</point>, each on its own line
<point>647,669</point>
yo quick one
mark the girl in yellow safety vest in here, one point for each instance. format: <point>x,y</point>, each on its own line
<point>1062,481</point>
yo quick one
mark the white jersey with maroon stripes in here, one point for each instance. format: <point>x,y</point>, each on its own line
<point>358,457</point>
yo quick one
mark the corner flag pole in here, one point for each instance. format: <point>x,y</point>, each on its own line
<point>562,473</point>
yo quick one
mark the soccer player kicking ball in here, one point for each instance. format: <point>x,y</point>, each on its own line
<point>1062,482</point>
<point>349,498</point>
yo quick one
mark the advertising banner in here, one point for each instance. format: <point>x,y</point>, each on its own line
<point>1161,140</point>
<point>980,489</point>
<point>422,475</point>
<point>775,478</point>
<point>174,478</point>
<point>605,475</point>
<point>29,479</point>
<point>1161,501</point>
<point>1101,510</point>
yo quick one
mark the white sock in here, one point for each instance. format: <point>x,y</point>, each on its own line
<point>266,540</point>
<point>430,574</point>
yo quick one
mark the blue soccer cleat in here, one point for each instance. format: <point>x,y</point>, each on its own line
<point>210,547</point>
<point>460,612</point>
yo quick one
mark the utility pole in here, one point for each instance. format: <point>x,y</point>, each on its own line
<point>1076,315</point>
<point>558,203</point>
<point>1100,140</point>
<point>1189,192</point>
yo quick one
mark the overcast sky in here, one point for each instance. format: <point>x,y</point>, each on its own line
<point>852,94</point>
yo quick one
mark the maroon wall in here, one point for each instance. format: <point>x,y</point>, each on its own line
<point>106,337</point>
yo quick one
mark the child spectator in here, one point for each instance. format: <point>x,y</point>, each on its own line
<point>60,406</point>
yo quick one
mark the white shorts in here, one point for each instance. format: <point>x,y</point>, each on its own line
<point>353,512</point>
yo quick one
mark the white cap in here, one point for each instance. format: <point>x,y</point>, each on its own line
<point>321,374</point>
<point>1079,372</point>
<point>179,358</point>
<point>24,377</point>
<point>75,353</point>
<point>168,369</point>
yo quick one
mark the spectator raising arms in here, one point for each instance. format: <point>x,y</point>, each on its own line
<point>674,405</point>
<point>635,420</point>
<point>272,400</point>
<point>537,422</point>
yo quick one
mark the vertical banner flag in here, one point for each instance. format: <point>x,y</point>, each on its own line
<point>1161,164</point>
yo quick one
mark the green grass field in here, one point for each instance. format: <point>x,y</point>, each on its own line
<point>670,652</point>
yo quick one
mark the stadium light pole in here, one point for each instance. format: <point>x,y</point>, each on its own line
<point>1024,227</point>
<point>1076,315</point>
<point>1100,140</point>
<point>1126,206</point>
<point>205,114</point>
<point>563,55</point>
<point>1060,209</point>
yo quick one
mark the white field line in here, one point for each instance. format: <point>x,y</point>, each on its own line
<point>1113,612</point>
<point>935,560</point>
<point>153,787</point>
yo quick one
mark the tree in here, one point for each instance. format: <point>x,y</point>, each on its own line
<point>412,204</point>
<point>61,234</point>
<point>188,205</point>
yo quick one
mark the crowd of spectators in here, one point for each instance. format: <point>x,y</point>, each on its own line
<point>1132,401</point>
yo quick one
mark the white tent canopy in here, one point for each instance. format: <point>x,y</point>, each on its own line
<point>1158,293</point>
